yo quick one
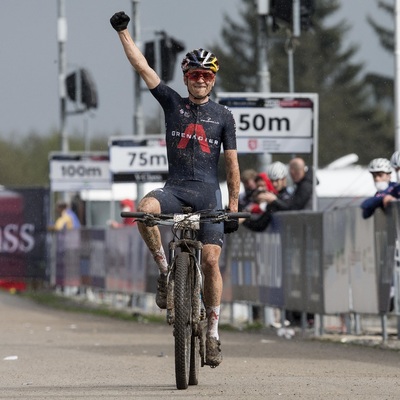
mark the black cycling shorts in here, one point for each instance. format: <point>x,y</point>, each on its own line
<point>198,195</point>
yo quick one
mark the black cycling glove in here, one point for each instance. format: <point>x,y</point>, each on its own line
<point>231,225</point>
<point>119,21</point>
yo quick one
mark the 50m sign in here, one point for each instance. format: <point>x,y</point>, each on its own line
<point>273,122</point>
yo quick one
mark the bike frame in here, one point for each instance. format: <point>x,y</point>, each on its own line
<point>185,239</point>
<point>184,268</point>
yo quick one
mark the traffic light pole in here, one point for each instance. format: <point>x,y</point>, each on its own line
<point>138,123</point>
<point>62,68</point>
<point>263,75</point>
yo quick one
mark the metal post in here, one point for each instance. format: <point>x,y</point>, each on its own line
<point>290,53</point>
<point>62,68</point>
<point>296,18</point>
<point>138,124</point>
<point>263,75</point>
<point>384,328</point>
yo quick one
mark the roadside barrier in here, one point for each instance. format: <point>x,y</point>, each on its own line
<point>322,263</point>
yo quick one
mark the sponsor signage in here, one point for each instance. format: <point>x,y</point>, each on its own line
<point>79,171</point>
<point>138,160</point>
<point>272,123</point>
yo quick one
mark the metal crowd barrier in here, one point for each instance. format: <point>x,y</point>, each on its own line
<point>323,263</point>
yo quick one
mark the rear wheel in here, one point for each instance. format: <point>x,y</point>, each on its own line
<point>183,329</point>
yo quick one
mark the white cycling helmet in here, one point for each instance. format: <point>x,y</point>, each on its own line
<point>380,165</point>
<point>395,159</point>
<point>277,170</point>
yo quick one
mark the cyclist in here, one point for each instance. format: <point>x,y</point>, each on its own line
<point>196,127</point>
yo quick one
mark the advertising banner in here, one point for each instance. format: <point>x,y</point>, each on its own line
<point>23,229</point>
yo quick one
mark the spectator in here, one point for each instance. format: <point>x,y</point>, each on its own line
<point>263,185</point>
<point>126,205</point>
<point>387,191</point>
<point>248,178</point>
<point>277,173</point>
<point>67,219</point>
<point>302,178</point>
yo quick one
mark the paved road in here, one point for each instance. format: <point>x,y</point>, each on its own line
<point>48,354</point>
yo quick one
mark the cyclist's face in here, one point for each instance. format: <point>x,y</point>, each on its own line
<point>199,81</point>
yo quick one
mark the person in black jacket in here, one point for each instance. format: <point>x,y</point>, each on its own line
<point>302,178</point>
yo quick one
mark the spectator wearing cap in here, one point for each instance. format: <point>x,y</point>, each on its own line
<point>126,205</point>
<point>387,191</point>
<point>263,185</point>
<point>279,200</point>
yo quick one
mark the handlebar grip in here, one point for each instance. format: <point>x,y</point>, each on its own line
<point>239,215</point>
<point>130,214</point>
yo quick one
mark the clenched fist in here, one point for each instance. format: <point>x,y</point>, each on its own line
<point>119,21</point>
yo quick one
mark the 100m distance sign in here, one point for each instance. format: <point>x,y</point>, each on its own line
<point>132,159</point>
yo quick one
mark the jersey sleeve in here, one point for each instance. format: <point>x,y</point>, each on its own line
<point>229,137</point>
<point>163,94</point>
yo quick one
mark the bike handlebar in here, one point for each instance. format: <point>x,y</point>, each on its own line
<point>218,216</point>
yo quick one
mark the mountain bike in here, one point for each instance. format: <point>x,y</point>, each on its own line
<point>185,306</point>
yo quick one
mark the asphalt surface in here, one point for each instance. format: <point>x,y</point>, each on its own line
<point>49,354</point>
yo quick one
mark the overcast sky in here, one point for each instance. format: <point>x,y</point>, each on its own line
<point>29,95</point>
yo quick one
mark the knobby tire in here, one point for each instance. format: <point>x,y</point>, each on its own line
<point>194,360</point>
<point>195,341</point>
<point>183,329</point>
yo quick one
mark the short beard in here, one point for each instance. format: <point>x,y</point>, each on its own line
<point>197,97</point>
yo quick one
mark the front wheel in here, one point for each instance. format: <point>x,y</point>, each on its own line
<point>194,360</point>
<point>183,328</point>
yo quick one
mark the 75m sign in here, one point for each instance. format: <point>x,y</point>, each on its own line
<point>138,159</point>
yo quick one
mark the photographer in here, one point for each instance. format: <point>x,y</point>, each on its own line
<point>277,173</point>
<point>264,185</point>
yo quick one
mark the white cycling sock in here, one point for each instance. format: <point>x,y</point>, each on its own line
<point>213,318</point>
<point>161,260</point>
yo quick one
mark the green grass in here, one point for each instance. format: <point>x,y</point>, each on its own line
<point>53,300</point>
<point>59,302</point>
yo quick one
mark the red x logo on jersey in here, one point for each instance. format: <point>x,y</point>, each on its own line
<point>198,130</point>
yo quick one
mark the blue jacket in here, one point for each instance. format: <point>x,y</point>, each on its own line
<point>372,203</point>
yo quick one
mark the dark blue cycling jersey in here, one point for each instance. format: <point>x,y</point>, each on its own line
<point>194,135</point>
<point>372,203</point>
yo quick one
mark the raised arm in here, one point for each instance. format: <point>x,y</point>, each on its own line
<point>119,22</point>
